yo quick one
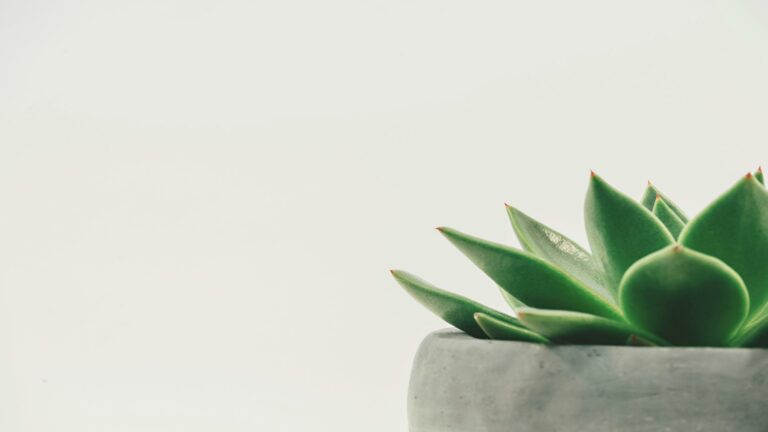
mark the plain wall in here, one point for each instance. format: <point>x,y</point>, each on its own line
<point>200,200</point>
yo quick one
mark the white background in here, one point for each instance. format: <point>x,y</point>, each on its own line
<point>200,200</point>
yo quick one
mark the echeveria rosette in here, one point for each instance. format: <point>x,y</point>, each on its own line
<point>653,277</point>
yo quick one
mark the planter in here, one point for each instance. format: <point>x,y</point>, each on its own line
<point>462,384</point>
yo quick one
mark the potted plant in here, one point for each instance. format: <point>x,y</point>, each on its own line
<point>660,328</point>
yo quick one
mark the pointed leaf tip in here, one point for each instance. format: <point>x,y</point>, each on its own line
<point>621,231</point>
<point>650,198</point>
<point>454,309</point>
<point>759,175</point>
<point>731,229</point>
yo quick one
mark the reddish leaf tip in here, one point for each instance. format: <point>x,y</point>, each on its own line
<point>658,197</point>
<point>592,173</point>
<point>649,183</point>
<point>748,176</point>
<point>760,169</point>
<point>677,248</point>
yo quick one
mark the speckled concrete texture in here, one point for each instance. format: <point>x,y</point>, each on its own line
<point>461,384</point>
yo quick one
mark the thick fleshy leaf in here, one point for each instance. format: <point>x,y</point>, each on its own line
<point>668,217</point>
<point>456,310</point>
<point>685,297</point>
<point>550,245</point>
<point>620,231</point>
<point>514,303</point>
<point>753,335</point>
<point>567,327</point>
<point>649,199</point>
<point>535,282</point>
<point>759,176</point>
<point>734,228</point>
<point>501,330</point>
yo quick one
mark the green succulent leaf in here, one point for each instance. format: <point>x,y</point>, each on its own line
<point>568,327</point>
<point>620,231</point>
<point>501,330</point>
<point>734,228</point>
<point>649,199</point>
<point>753,335</point>
<point>513,303</point>
<point>639,286</point>
<point>456,310</point>
<point>685,297</point>
<point>530,279</point>
<point>668,217</point>
<point>552,246</point>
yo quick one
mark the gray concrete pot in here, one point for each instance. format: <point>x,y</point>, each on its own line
<point>461,384</point>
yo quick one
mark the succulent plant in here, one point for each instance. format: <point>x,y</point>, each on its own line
<point>652,278</point>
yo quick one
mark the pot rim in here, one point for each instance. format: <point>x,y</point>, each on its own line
<point>449,333</point>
